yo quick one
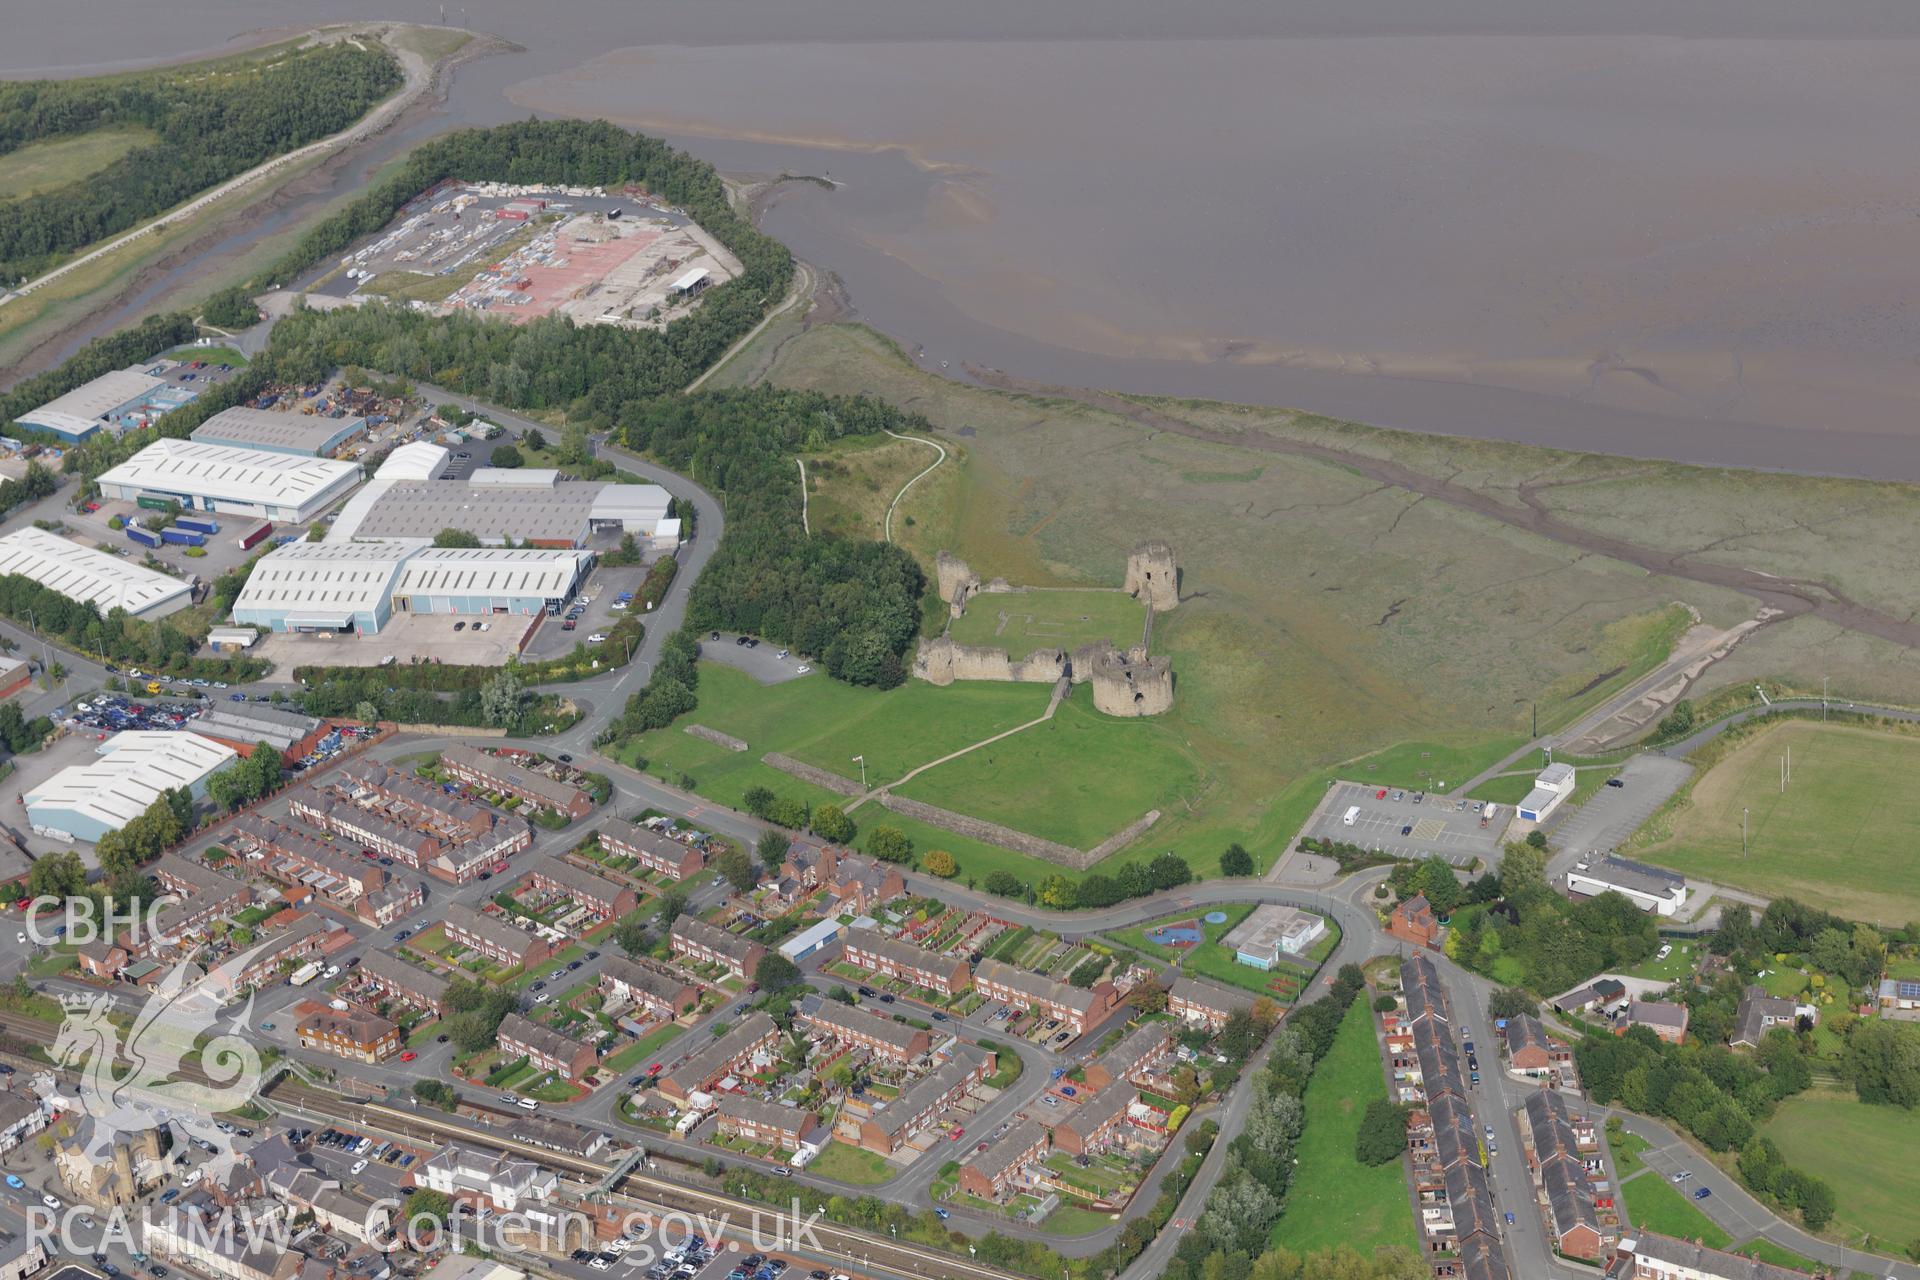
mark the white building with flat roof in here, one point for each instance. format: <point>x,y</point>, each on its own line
<point>85,801</point>
<point>1652,889</point>
<point>283,487</point>
<point>1555,784</point>
<point>81,573</point>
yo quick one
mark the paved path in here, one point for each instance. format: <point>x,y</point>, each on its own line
<point>938,448</point>
<point>1060,689</point>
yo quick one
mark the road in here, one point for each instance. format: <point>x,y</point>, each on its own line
<point>417,77</point>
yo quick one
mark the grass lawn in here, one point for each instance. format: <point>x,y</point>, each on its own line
<point>1050,619</point>
<point>1335,1199</point>
<point>1086,775</point>
<point>1767,1251</point>
<point>856,1165</point>
<point>643,1050</point>
<point>1864,1152</point>
<point>1626,1153</point>
<point>212,355</point>
<point>1507,788</point>
<point>43,166</point>
<point>1429,766</point>
<point>1677,965</point>
<point>1136,937</point>
<point>1654,1205</point>
<point>1841,836</point>
<point>1072,1220</point>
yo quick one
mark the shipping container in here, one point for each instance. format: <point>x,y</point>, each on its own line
<point>253,539</point>
<point>156,504</point>
<point>183,538</point>
<point>199,524</point>
<point>145,537</point>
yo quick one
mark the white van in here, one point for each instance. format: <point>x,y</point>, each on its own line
<point>1352,813</point>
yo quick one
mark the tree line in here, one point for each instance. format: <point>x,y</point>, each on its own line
<point>157,644</point>
<point>210,127</point>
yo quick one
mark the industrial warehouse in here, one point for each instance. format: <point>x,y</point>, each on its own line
<point>356,587</point>
<point>253,482</point>
<point>84,802</point>
<point>525,507</point>
<point>307,435</point>
<point>124,400</point>
<point>93,577</point>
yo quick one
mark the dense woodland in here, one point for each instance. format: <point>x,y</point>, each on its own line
<point>209,128</point>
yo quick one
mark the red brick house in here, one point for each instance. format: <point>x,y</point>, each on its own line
<point>1413,921</point>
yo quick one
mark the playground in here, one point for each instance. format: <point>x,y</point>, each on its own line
<point>1183,934</point>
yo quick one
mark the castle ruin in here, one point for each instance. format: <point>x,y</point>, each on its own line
<point>1125,682</point>
<point>1152,576</point>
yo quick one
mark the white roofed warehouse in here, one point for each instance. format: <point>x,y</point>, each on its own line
<point>84,802</point>
<point>110,402</point>
<point>92,577</point>
<point>321,586</point>
<point>488,580</point>
<point>283,487</point>
<point>357,587</point>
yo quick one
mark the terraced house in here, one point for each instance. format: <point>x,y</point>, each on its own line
<point>1201,1004</point>
<point>497,773</point>
<point>409,800</point>
<point>753,1040</point>
<point>1078,1008</point>
<point>396,980</point>
<point>492,937</point>
<point>601,898</point>
<point>1096,1124</point>
<point>205,898</point>
<point>903,961</point>
<point>753,1120</point>
<point>390,902</point>
<point>306,939</point>
<point>1001,1170</point>
<point>704,943</point>
<point>295,858</point>
<point>856,1028</point>
<point>660,994</point>
<point>369,829</point>
<point>1132,1058</point>
<point>650,849</point>
<point>892,1126</point>
<point>1560,1173</point>
<point>546,1049</point>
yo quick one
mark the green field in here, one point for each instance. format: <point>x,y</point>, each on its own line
<point>1077,779</point>
<point>1767,1251</point>
<point>1653,1204</point>
<point>856,1165</point>
<point>44,166</point>
<point>642,1051</point>
<point>1864,1152</point>
<point>212,355</point>
<point>1845,834</point>
<point>1050,619</point>
<point>1335,1199</point>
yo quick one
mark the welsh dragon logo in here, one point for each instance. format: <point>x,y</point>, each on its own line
<point>181,1060</point>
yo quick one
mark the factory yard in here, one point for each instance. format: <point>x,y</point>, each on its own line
<point>407,637</point>
<point>524,252</point>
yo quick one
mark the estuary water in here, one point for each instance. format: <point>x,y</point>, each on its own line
<point>1687,231</point>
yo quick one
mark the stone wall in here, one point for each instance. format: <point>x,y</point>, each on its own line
<point>812,773</point>
<point>954,580</point>
<point>940,661</point>
<point>1132,684</point>
<point>1125,836</point>
<point>716,737</point>
<point>989,832</point>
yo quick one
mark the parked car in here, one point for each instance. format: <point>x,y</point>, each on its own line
<point>1616,782</point>
<point>1703,1193</point>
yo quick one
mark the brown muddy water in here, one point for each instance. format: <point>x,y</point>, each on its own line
<point>1675,231</point>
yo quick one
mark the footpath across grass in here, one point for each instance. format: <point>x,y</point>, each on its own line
<point>1335,1199</point>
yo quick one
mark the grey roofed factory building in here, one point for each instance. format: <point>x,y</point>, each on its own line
<point>529,507</point>
<point>308,435</point>
<point>87,409</point>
